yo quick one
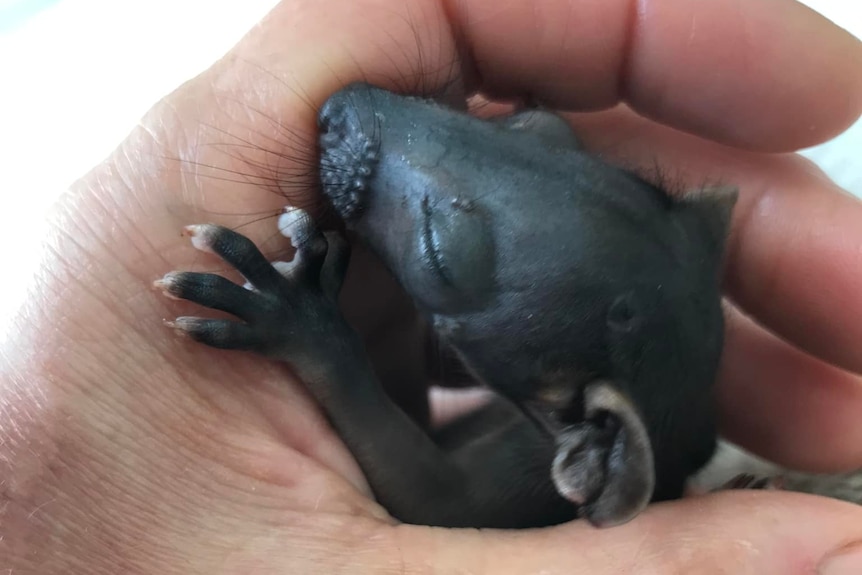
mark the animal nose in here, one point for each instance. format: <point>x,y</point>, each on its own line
<point>349,141</point>
<point>347,109</point>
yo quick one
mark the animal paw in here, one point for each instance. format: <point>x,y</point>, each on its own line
<point>284,305</point>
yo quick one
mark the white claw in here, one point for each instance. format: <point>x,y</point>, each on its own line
<point>294,223</point>
<point>166,284</point>
<point>181,325</point>
<point>201,236</point>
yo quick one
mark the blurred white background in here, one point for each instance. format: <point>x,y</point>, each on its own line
<point>77,75</point>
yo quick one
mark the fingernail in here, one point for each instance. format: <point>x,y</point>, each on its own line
<point>845,561</point>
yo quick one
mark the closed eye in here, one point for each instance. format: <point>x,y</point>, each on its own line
<point>431,244</point>
<point>455,255</point>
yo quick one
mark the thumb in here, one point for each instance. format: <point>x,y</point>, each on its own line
<point>738,532</point>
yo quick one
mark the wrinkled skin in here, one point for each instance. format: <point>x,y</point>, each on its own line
<point>579,292</point>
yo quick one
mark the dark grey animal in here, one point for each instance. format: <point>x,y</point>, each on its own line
<point>586,297</point>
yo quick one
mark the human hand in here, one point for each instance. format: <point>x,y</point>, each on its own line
<point>124,451</point>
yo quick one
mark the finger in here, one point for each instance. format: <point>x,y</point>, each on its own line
<point>237,250</point>
<point>724,69</point>
<point>787,406</point>
<point>796,264</point>
<point>795,252</point>
<point>210,290</point>
<point>742,533</point>
<point>218,333</point>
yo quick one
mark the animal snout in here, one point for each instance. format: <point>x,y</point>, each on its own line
<point>349,142</point>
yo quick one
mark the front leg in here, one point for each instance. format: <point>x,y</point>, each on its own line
<point>289,313</point>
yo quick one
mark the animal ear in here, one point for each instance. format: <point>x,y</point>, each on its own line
<point>605,462</point>
<point>712,209</point>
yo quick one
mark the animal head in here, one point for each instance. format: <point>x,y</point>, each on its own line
<point>581,292</point>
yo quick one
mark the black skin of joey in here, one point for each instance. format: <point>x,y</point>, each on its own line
<point>587,298</point>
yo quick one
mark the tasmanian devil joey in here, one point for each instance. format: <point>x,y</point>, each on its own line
<point>587,298</point>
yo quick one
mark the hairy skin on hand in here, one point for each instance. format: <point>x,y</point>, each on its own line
<point>123,452</point>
